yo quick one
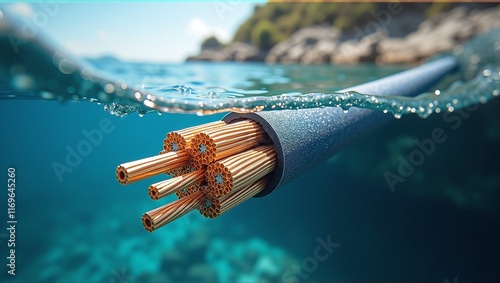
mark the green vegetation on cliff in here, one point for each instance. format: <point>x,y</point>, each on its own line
<point>274,22</point>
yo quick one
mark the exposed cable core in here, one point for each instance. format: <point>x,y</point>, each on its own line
<point>215,167</point>
<point>143,168</point>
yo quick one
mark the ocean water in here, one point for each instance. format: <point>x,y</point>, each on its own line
<point>439,225</point>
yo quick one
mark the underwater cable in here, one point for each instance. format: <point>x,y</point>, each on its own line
<point>219,165</point>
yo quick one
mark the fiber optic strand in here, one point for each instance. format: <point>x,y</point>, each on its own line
<point>215,167</point>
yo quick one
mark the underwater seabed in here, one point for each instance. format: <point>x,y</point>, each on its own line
<point>443,218</point>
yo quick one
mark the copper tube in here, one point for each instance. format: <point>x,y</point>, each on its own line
<point>240,170</point>
<point>216,167</point>
<point>137,170</point>
<point>215,144</point>
<point>214,206</point>
<point>167,187</point>
<point>188,190</point>
<point>190,167</point>
<point>238,197</point>
<point>210,207</point>
<point>158,217</point>
<point>181,139</point>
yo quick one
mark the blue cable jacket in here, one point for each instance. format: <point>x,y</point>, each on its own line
<point>303,138</point>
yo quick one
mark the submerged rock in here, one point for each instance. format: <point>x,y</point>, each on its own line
<point>201,273</point>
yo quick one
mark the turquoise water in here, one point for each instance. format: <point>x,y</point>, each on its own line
<point>34,68</point>
<point>440,224</point>
<point>87,228</point>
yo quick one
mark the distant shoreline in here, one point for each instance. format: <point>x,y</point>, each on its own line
<point>382,40</point>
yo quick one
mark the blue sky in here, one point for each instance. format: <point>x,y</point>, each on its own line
<point>153,32</point>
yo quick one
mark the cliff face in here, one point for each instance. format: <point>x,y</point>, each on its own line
<point>394,35</point>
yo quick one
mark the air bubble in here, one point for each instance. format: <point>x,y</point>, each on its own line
<point>149,103</point>
<point>23,82</point>
<point>66,66</point>
<point>109,88</point>
<point>47,95</point>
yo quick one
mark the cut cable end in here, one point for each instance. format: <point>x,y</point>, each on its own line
<point>215,167</point>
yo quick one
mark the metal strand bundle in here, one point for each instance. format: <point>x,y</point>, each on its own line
<point>240,170</point>
<point>215,167</point>
<point>211,145</point>
<point>158,217</point>
<point>170,186</point>
<point>215,206</point>
<point>140,169</point>
<point>181,139</point>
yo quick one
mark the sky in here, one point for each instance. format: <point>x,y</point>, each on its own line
<point>146,32</point>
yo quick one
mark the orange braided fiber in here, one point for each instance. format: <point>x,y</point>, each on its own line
<point>215,167</point>
<point>210,207</point>
<point>189,190</point>
<point>167,187</point>
<point>213,206</point>
<point>163,215</point>
<point>181,139</point>
<point>190,167</point>
<point>143,168</point>
<point>215,144</point>
<point>240,170</point>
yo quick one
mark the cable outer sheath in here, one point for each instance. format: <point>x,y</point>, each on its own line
<point>303,138</point>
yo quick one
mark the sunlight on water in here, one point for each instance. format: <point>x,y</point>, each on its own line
<point>34,70</point>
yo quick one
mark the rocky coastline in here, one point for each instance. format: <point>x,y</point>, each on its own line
<point>391,38</point>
